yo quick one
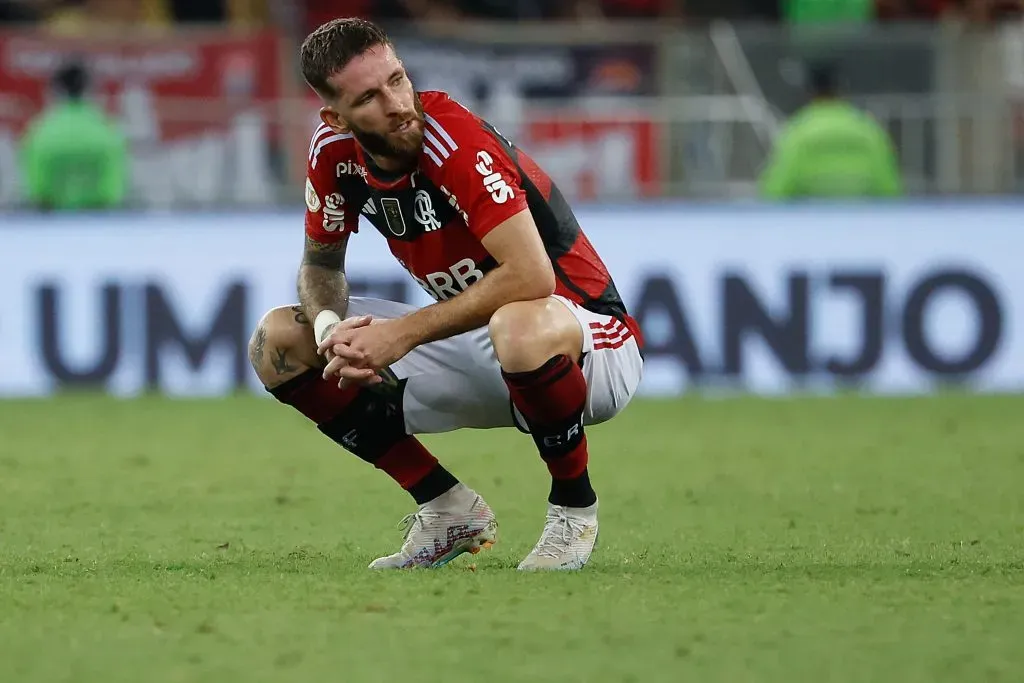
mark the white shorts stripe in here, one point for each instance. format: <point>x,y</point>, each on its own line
<point>610,335</point>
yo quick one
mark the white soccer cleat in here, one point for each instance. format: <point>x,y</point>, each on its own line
<point>457,522</point>
<point>567,541</point>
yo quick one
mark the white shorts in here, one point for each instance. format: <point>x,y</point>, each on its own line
<point>456,383</point>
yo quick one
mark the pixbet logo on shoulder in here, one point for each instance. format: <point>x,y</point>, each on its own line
<point>493,182</point>
<point>350,168</point>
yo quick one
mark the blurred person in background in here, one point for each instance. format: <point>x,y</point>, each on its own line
<point>828,11</point>
<point>73,156</point>
<point>831,149</point>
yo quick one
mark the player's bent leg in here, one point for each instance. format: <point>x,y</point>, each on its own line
<point>369,423</point>
<point>539,345</point>
<point>526,334</point>
<point>281,346</point>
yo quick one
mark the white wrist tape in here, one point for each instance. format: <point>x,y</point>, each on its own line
<point>324,319</point>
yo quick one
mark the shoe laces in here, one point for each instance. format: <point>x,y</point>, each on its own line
<point>560,530</point>
<point>415,522</point>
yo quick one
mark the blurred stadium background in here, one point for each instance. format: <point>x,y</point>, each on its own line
<point>861,538</point>
<point>657,118</point>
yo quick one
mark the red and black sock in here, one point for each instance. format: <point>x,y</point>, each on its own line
<point>551,399</point>
<point>370,425</point>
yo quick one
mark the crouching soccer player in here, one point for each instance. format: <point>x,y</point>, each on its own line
<point>528,330</point>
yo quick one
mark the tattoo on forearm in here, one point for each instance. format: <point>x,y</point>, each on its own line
<point>324,255</point>
<point>320,288</point>
<point>322,284</point>
<point>280,362</point>
<point>322,278</point>
<point>259,340</point>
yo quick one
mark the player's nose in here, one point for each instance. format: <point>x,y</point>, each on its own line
<point>392,103</point>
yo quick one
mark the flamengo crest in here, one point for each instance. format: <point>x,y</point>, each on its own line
<point>424,213</point>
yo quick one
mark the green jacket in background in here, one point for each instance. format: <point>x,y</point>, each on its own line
<point>828,11</point>
<point>831,149</point>
<point>74,157</point>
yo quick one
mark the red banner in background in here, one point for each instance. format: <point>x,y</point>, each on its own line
<point>208,127</point>
<point>573,108</point>
<point>592,157</point>
<point>198,109</point>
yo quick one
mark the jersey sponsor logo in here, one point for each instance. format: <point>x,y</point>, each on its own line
<point>453,201</point>
<point>368,208</point>
<point>393,215</point>
<point>443,285</point>
<point>334,212</point>
<point>423,211</point>
<point>350,168</point>
<point>493,182</point>
<point>312,200</point>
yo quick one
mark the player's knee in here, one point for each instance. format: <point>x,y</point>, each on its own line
<point>511,328</point>
<point>526,334</point>
<point>281,346</point>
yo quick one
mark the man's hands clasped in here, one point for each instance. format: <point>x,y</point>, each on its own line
<point>357,348</point>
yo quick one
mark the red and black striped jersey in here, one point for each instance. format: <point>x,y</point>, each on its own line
<point>469,180</point>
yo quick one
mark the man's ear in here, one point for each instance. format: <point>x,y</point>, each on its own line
<point>333,120</point>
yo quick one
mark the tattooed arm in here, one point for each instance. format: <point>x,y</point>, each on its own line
<point>322,284</point>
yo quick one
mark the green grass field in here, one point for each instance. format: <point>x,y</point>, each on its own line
<point>742,540</point>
